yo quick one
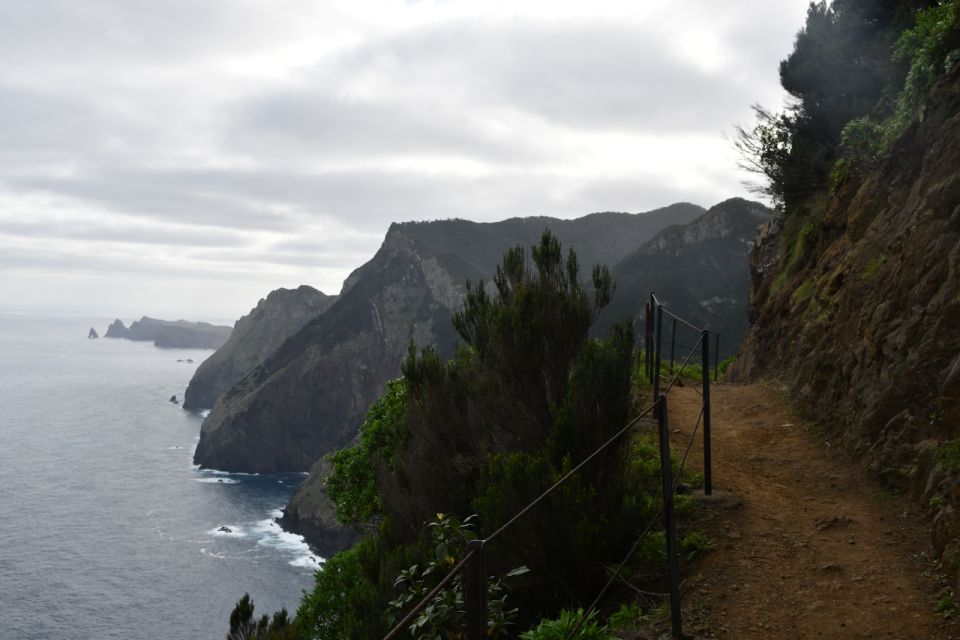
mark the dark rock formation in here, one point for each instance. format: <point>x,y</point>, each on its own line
<point>173,399</point>
<point>699,270</point>
<point>856,307</point>
<point>92,334</point>
<point>255,336</point>
<point>116,330</point>
<point>310,396</point>
<point>172,335</point>
<point>311,514</point>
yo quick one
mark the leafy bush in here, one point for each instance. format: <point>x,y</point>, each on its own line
<point>929,48</point>
<point>560,628</point>
<point>445,616</point>
<point>344,601</point>
<point>352,484</point>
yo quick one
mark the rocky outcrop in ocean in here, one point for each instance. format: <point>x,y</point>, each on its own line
<point>255,337</point>
<point>92,334</point>
<point>310,396</point>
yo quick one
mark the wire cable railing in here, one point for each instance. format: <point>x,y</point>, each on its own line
<point>472,563</point>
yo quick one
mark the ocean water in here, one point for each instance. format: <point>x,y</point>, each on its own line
<point>106,528</point>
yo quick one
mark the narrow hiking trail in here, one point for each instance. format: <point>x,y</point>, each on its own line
<point>816,549</point>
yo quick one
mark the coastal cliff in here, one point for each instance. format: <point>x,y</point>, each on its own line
<point>700,270</point>
<point>168,334</point>
<point>310,396</point>
<point>255,337</point>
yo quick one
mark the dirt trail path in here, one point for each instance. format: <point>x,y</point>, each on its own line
<point>816,550</point>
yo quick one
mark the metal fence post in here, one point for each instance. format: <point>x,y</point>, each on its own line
<point>707,446</point>
<point>716,360</point>
<point>647,341</point>
<point>673,344</point>
<point>668,523</point>
<point>475,592</point>
<point>656,360</point>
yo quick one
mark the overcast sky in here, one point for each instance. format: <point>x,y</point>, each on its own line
<point>183,158</point>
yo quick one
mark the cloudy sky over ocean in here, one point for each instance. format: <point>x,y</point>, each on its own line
<point>183,158</point>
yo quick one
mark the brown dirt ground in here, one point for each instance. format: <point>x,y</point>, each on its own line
<point>817,549</point>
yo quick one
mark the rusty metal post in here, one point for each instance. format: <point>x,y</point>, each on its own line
<point>475,592</point>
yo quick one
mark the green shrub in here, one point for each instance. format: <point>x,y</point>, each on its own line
<point>949,455</point>
<point>696,544</point>
<point>244,626</point>
<point>725,364</point>
<point>445,616</point>
<point>342,598</point>
<point>946,606</point>
<point>629,618</point>
<point>560,628</point>
<point>352,484</point>
<point>929,48</point>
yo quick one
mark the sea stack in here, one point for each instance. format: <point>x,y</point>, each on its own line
<point>92,334</point>
<point>116,330</point>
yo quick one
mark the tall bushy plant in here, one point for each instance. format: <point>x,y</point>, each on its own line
<point>527,396</point>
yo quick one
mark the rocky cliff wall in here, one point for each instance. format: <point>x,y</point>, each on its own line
<point>856,306</point>
<point>700,271</point>
<point>255,337</point>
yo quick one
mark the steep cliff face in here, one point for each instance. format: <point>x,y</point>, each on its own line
<point>857,307</point>
<point>255,337</point>
<point>310,396</point>
<point>700,270</point>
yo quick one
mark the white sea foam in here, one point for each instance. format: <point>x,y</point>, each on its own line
<point>218,480</point>
<point>307,562</point>
<point>273,536</point>
<point>175,448</point>
<point>204,414</point>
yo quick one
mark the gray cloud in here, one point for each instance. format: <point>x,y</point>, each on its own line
<point>195,140</point>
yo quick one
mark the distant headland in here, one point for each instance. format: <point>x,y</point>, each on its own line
<point>168,334</point>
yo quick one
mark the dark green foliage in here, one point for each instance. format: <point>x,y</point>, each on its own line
<point>243,625</point>
<point>445,616</point>
<point>345,601</point>
<point>843,76</point>
<point>352,482</point>
<point>527,396</point>
<point>560,628</point>
<point>930,48</point>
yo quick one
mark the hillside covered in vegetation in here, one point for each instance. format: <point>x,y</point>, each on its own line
<point>856,286</point>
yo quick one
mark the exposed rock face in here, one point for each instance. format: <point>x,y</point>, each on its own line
<point>116,330</point>
<point>311,514</point>
<point>92,333</point>
<point>311,395</point>
<point>857,307</point>
<point>172,335</point>
<point>699,270</point>
<point>255,336</point>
